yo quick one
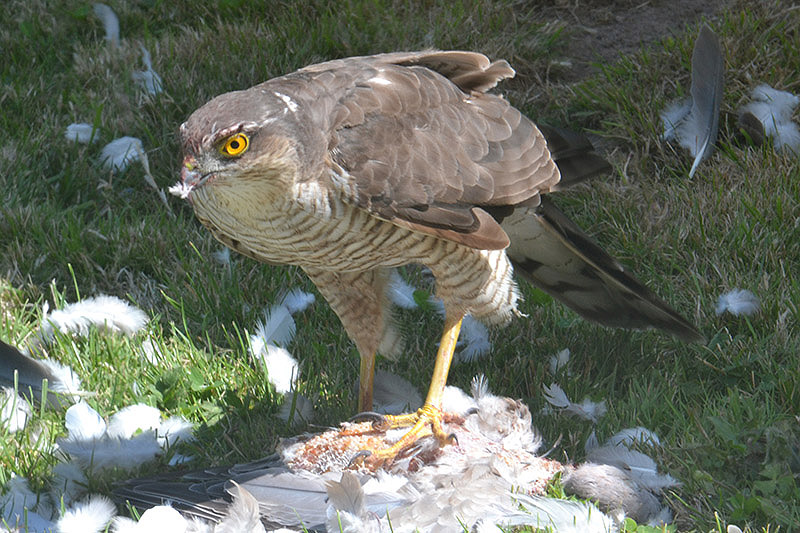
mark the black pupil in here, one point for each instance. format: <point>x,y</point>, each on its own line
<point>234,145</point>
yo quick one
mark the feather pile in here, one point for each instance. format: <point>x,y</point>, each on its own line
<point>694,122</point>
<point>491,477</point>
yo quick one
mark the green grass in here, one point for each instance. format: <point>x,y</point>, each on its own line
<point>726,411</point>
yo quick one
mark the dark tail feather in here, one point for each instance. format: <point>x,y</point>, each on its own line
<point>575,156</point>
<point>554,254</point>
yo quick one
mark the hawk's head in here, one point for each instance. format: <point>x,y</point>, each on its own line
<point>243,135</point>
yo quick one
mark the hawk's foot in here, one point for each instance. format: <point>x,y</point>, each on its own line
<point>425,422</point>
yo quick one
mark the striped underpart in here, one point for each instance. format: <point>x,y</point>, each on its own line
<point>316,230</point>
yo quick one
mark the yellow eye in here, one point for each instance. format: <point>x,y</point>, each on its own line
<point>235,145</point>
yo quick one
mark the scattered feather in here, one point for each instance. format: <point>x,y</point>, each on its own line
<point>83,422</point>
<point>400,293</point>
<point>151,351</point>
<point>180,459</point>
<point>128,420</point>
<point>559,361</point>
<point>673,117</point>
<point>148,79</point>
<point>556,515</point>
<point>475,338</point>
<point>591,442</point>
<point>773,109</point>
<point>103,453</point>
<point>282,368</point>
<point>135,435</point>
<point>19,506</point>
<point>105,313</point>
<point>89,517</point>
<point>296,409</point>
<point>69,482</point>
<point>82,133</point>
<point>636,464</point>
<point>26,374</point>
<point>738,302</point>
<point>613,490</point>
<point>346,511</point>
<point>14,410</point>
<point>159,519</point>
<point>243,515</point>
<point>222,256</point>
<point>120,153</point>
<point>587,409</point>
<point>66,382</point>
<point>694,123</point>
<point>393,395</point>
<point>110,23</point>
<point>455,400</point>
<point>630,437</point>
<point>174,429</point>
<point>297,300</point>
<point>277,328</point>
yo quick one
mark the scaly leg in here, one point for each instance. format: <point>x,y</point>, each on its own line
<point>428,419</point>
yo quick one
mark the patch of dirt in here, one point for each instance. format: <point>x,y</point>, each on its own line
<point>603,30</point>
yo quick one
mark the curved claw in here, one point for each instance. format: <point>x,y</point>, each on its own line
<point>359,457</point>
<point>378,420</point>
<point>452,438</point>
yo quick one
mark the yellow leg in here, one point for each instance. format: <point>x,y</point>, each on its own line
<point>444,358</point>
<point>366,377</point>
<point>428,419</point>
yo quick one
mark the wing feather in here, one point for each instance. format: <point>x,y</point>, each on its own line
<point>420,144</point>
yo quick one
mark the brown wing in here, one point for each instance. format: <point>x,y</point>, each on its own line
<point>415,141</point>
<point>554,254</point>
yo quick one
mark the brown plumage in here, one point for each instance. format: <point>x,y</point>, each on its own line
<point>355,166</point>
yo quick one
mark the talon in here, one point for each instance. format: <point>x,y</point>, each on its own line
<point>452,439</point>
<point>359,457</point>
<point>370,416</point>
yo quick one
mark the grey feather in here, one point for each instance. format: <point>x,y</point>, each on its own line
<point>694,123</point>
<point>558,515</point>
<point>243,514</point>
<point>30,373</point>
<point>612,489</point>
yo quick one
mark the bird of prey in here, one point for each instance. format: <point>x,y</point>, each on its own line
<point>353,167</point>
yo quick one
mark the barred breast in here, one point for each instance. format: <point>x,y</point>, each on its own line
<point>329,234</point>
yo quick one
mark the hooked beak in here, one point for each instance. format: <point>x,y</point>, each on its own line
<point>191,178</point>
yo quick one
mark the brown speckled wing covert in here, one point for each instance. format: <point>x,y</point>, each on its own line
<point>424,153</point>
